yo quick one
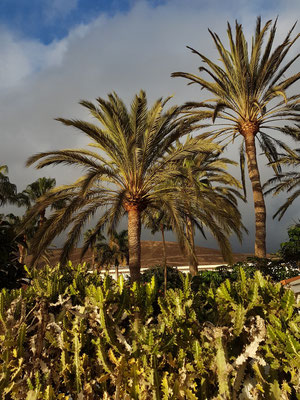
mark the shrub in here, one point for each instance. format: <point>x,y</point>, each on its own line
<point>72,335</point>
<point>290,250</point>
<point>276,269</point>
<point>173,277</point>
<point>11,271</point>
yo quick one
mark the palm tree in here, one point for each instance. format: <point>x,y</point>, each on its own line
<point>36,190</point>
<point>119,246</point>
<point>132,157</point>
<point>287,181</point>
<point>105,255</point>
<point>249,99</point>
<point>8,191</point>
<point>97,239</point>
<point>114,252</point>
<point>158,220</point>
<point>216,204</point>
<point>23,240</point>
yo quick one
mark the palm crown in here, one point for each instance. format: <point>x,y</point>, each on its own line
<point>124,174</point>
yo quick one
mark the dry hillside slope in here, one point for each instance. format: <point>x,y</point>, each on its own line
<point>152,254</point>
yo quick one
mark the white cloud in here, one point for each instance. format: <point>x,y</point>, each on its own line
<point>25,59</point>
<point>58,8</point>
<point>14,64</point>
<point>139,49</point>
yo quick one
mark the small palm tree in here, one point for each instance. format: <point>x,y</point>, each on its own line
<point>287,181</point>
<point>8,191</point>
<point>119,246</point>
<point>36,190</point>
<point>249,100</point>
<point>94,244</point>
<point>132,157</point>
<point>24,239</point>
<point>158,220</point>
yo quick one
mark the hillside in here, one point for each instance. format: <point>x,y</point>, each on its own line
<point>152,254</point>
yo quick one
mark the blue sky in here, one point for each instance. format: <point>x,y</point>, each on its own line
<point>56,52</point>
<point>49,20</point>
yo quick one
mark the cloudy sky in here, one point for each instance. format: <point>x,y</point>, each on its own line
<point>56,52</point>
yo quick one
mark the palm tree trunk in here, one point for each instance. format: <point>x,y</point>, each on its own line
<point>22,254</point>
<point>93,258</point>
<point>42,218</point>
<point>193,262</point>
<point>134,241</point>
<point>165,258</point>
<point>259,202</point>
<point>22,251</point>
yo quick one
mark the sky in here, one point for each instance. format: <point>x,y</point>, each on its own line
<point>56,52</point>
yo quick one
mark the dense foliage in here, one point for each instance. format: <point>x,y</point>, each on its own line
<point>173,277</point>
<point>11,270</point>
<point>277,269</point>
<point>72,335</point>
<point>290,250</point>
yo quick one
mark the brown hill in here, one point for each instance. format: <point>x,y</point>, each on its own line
<point>152,254</point>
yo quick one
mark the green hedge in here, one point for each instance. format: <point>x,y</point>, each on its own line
<point>71,335</point>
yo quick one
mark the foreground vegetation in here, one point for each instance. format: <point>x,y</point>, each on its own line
<point>72,335</point>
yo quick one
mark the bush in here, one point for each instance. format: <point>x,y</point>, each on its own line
<point>276,269</point>
<point>173,277</point>
<point>11,271</point>
<point>72,335</point>
<point>290,250</point>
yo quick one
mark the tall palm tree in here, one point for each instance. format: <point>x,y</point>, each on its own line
<point>286,181</point>
<point>249,100</point>
<point>132,157</point>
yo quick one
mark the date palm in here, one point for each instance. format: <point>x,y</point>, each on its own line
<point>23,240</point>
<point>97,239</point>
<point>214,205</point>
<point>286,181</point>
<point>205,198</point>
<point>8,190</point>
<point>119,244</point>
<point>250,101</point>
<point>158,220</point>
<point>36,190</point>
<point>132,156</point>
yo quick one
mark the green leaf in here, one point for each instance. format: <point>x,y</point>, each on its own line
<point>288,303</point>
<point>223,293</point>
<point>275,391</point>
<point>239,319</point>
<point>293,346</point>
<point>222,369</point>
